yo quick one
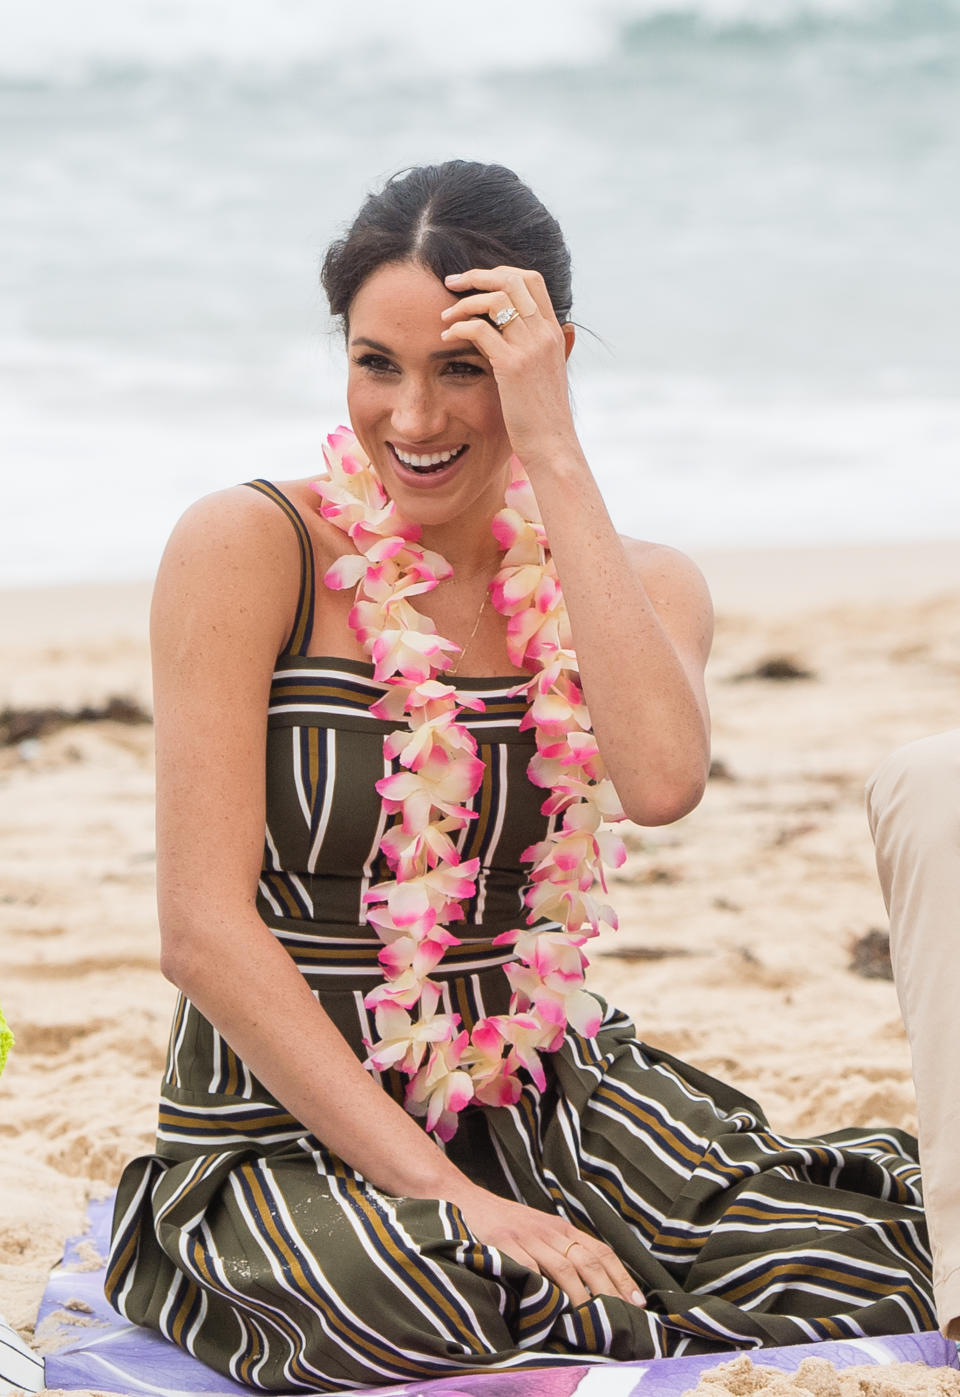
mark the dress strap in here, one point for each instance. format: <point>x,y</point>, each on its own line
<point>299,640</point>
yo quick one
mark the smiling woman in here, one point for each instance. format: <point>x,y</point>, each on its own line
<point>389,1149</point>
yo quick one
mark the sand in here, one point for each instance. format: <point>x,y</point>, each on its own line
<point>738,923</point>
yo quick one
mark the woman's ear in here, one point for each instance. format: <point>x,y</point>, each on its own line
<point>569,335</point>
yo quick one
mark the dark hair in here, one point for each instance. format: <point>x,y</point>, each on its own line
<point>449,218</point>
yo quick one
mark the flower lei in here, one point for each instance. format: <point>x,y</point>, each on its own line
<point>440,771</point>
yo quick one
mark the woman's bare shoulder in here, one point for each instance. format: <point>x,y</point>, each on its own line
<point>232,562</point>
<point>676,587</point>
<point>659,564</point>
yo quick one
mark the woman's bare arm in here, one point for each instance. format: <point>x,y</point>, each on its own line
<point>215,633</point>
<point>641,617</point>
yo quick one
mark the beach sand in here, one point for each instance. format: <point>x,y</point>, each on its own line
<point>739,923</point>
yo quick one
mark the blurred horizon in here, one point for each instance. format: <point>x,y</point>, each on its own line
<point>760,198</point>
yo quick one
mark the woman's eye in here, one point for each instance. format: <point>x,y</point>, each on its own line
<point>376,363</point>
<point>462,368</point>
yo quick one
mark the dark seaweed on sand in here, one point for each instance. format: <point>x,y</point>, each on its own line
<point>21,724</point>
<point>870,955</point>
<point>778,667</point>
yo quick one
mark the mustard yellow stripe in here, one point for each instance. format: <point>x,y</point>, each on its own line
<point>589,1328</point>
<point>183,1310</point>
<point>233,1069</point>
<point>820,1271</point>
<point>398,1254</point>
<point>208,1165</point>
<point>743,1210</point>
<point>199,1259</point>
<point>216,1124</point>
<point>265,1217</point>
<point>644,1117</point>
<point>284,894</point>
<point>622,1202</point>
<point>120,1263</point>
<point>463,1005</point>
<point>313,759</point>
<point>534,1318</point>
<point>907,1246</point>
<point>253,1357</point>
<point>317,690</point>
<point>482,822</point>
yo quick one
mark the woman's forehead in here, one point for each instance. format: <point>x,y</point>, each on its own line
<point>400,303</point>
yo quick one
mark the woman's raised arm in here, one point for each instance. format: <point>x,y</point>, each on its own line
<point>641,616</point>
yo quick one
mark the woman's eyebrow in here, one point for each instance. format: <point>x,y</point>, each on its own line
<point>467,352</point>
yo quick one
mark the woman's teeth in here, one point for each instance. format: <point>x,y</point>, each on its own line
<point>425,465</point>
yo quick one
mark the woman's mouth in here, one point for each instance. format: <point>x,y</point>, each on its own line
<point>427,463</point>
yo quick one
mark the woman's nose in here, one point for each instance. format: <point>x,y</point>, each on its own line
<point>418,414</point>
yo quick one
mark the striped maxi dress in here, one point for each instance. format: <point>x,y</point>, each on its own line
<point>246,1242</point>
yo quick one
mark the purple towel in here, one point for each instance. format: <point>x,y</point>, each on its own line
<point>101,1350</point>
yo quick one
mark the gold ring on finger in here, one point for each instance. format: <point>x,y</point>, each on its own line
<point>502,319</point>
<point>570,1245</point>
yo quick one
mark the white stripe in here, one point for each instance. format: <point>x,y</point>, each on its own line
<point>823,1259</point>
<point>394,1274</point>
<point>214,1087</point>
<point>371,855</point>
<point>307,708</point>
<point>270,897</point>
<point>133,1211</point>
<point>494,840</point>
<point>231,1137</point>
<point>295,737</point>
<point>367,681</point>
<point>177,1043</point>
<point>327,800</point>
<point>175,1290</point>
<point>375,972</point>
<point>250,1306</point>
<point>368,1030</point>
<point>309,1260</point>
<point>271,845</point>
<point>193,1332</point>
<point>307,899</point>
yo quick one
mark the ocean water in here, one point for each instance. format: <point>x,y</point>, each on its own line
<point>762,198</point>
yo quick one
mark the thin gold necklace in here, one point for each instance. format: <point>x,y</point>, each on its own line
<point>455,668</point>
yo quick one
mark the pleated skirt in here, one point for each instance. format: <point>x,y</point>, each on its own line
<point>251,1246</point>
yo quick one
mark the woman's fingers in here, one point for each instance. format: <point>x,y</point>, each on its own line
<point>524,289</point>
<point>563,1270</point>
<point>477,332</point>
<point>603,1273</point>
<point>490,303</point>
<point>584,1268</point>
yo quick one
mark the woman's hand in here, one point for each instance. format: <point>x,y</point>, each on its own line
<point>580,1265</point>
<point>528,356</point>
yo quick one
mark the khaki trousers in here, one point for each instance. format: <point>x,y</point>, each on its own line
<point>913,803</point>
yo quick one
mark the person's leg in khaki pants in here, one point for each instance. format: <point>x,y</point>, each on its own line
<point>913,802</point>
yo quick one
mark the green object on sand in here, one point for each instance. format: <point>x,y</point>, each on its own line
<point>6,1040</point>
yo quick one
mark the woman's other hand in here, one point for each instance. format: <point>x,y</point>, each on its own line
<point>581,1265</point>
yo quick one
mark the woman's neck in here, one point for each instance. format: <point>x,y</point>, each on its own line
<point>469,547</point>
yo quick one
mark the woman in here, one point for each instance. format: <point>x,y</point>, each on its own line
<point>570,1191</point>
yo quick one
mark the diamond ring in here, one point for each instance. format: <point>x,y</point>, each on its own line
<point>503,317</point>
